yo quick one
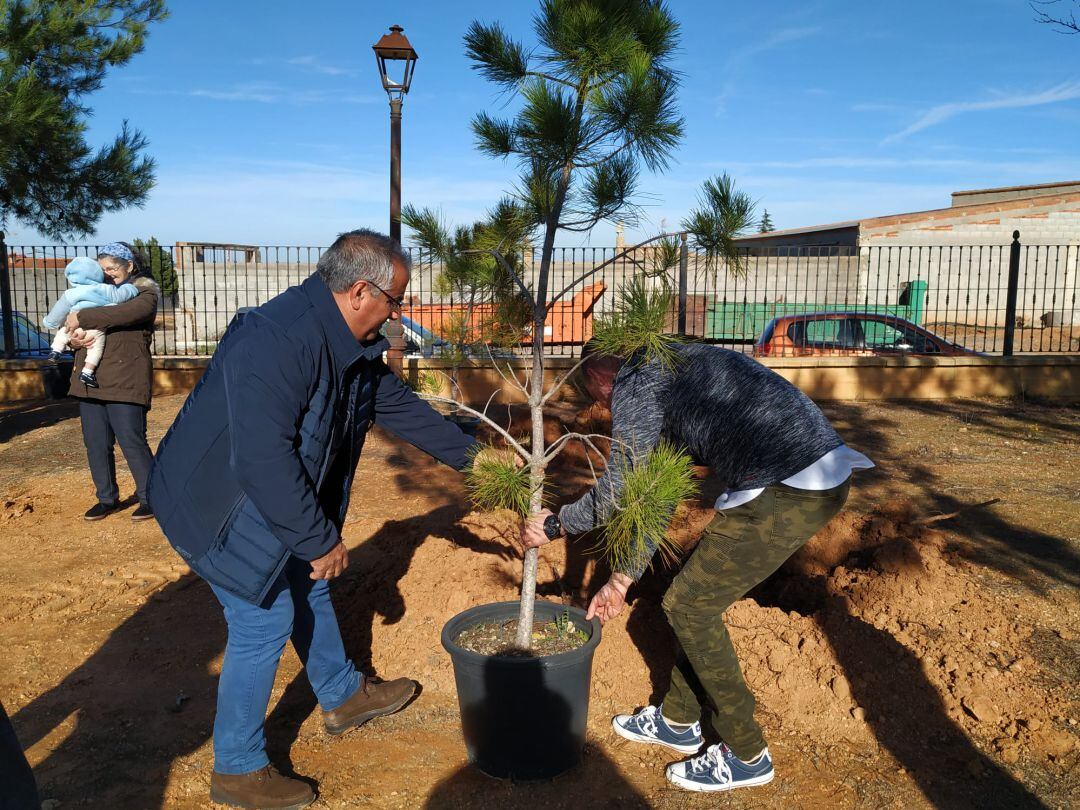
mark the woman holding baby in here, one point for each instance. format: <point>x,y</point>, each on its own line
<point>114,404</point>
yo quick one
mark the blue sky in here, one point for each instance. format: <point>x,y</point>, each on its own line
<point>269,125</point>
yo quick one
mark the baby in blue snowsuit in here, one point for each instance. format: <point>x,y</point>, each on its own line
<point>88,289</point>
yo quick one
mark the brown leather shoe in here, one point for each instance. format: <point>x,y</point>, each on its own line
<point>372,699</point>
<point>265,789</point>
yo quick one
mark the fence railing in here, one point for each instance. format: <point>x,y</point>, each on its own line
<point>986,298</point>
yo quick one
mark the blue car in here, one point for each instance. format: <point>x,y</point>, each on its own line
<point>29,342</point>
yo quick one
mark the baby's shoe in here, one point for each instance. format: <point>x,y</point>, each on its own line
<point>89,379</point>
<point>53,358</point>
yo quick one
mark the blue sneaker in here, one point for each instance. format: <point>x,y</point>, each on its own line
<point>719,769</point>
<point>649,726</point>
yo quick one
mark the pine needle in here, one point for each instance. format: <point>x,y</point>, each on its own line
<point>494,483</point>
<point>652,490</point>
<point>426,383</point>
<point>636,327</point>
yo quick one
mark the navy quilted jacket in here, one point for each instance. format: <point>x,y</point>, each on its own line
<point>259,462</point>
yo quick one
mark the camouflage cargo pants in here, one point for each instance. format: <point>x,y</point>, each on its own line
<point>740,548</point>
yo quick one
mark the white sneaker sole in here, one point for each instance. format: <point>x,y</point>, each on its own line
<point>629,735</point>
<point>687,784</point>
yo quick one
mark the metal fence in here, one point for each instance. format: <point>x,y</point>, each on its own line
<point>981,297</point>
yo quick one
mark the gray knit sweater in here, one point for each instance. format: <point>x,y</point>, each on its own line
<point>749,424</point>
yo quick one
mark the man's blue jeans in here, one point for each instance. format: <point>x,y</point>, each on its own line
<point>297,607</point>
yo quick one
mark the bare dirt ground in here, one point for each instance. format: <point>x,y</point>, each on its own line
<point>897,662</point>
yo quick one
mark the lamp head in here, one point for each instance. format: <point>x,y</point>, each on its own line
<point>393,48</point>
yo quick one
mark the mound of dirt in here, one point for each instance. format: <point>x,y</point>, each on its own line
<point>880,611</point>
<point>876,629</point>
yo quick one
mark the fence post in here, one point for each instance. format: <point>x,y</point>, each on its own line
<point>5,301</point>
<point>684,261</point>
<point>1010,300</point>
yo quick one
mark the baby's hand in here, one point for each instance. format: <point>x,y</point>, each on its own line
<point>78,334</point>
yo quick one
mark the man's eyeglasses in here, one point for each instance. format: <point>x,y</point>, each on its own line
<point>395,303</point>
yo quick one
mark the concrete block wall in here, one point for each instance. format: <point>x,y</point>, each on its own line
<point>211,293</point>
<point>988,195</point>
<point>35,289</point>
<point>1049,220</point>
<point>965,257</point>
<point>1055,377</point>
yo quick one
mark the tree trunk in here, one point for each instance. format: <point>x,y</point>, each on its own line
<point>536,392</point>
<point>536,412</point>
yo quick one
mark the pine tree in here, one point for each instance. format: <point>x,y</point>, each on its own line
<point>723,214</point>
<point>159,262</point>
<point>472,276</point>
<point>766,223</point>
<point>52,56</point>
<point>598,102</point>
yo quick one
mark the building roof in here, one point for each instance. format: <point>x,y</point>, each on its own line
<point>832,226</point>
<point>1009,189</point>
<point>1046,194</point>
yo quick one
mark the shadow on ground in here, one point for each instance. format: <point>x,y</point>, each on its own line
<point>1037,559</point>
<point>21,419</point>
<point>116,723</point>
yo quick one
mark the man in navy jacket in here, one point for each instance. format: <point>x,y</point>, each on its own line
<point>251,486</point>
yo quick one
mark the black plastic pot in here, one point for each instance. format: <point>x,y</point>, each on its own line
<point>522,718</point>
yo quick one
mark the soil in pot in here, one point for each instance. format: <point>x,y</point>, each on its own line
<point>548,638</point>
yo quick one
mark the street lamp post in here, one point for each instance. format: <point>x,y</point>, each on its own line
<point>395,48</point>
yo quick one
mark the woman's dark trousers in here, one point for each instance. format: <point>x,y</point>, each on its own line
<point>104,424</point>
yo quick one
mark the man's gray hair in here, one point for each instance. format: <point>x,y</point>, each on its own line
<point>361,255</point>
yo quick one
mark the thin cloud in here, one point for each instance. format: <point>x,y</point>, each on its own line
<point>313,64</point>
<point>851,162</point>
<point>1066,91</point>
<point>774,40</point>
<point>225,199</point>
<point>878,107</point>
<point>739,58</point>
<point>1051,166</point>
<point>262,93</point>
<point>265,93</point>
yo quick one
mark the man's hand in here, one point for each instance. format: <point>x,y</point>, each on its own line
<point>609,600</point>
<point>532,533</point>
<point>331,564</point>
<point>72,321</point>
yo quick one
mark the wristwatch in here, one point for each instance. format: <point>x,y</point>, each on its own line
<point>552,527</point>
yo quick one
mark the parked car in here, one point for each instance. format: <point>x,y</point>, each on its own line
<point>29,342</point>
<point>422,342</point>
<point>860,334</point>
